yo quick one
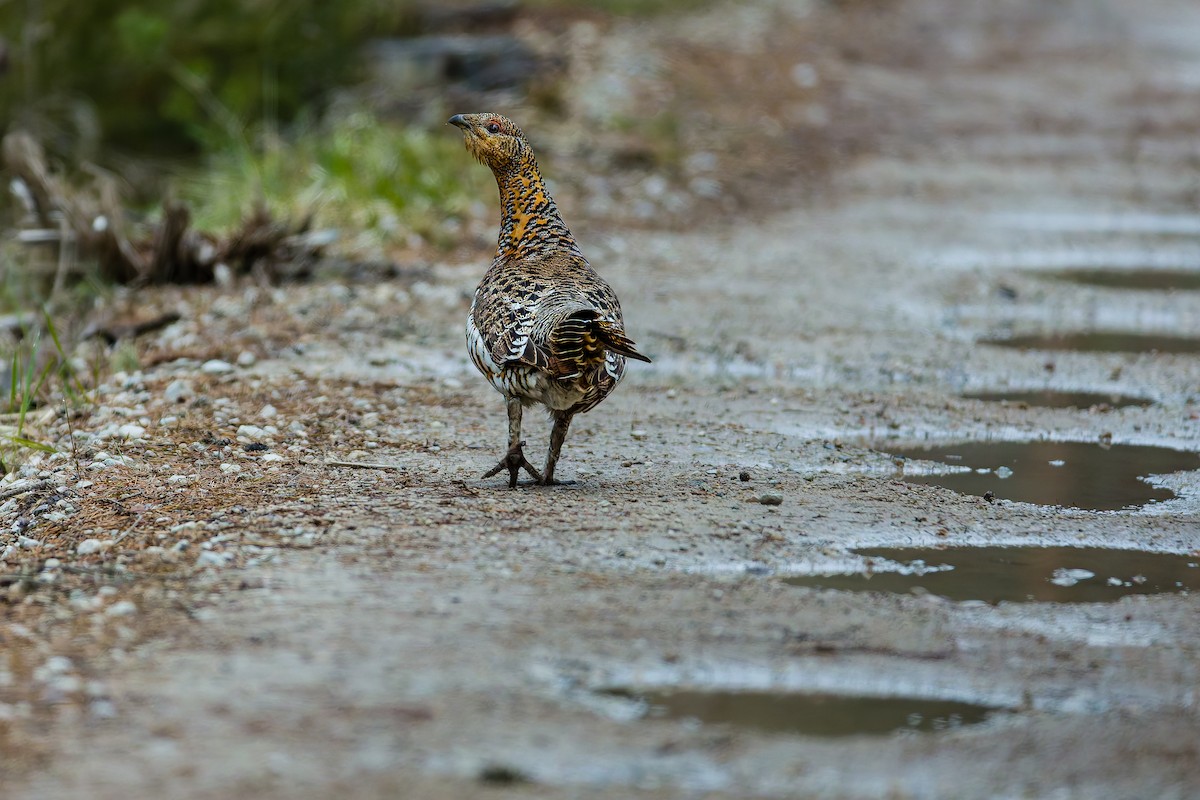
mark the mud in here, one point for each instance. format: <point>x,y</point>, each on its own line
<point>417,631</point>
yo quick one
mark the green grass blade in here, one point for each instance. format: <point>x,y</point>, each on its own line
<point>21,441</point>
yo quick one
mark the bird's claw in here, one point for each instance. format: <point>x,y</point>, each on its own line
<point>514,461</point>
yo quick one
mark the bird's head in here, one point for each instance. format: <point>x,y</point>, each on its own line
<point>493,139</point>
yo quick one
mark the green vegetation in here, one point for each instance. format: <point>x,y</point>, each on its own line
<point>109,71</point>
<point>358,174</point>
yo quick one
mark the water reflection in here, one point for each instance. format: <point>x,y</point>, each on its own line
<point>1141,279</point>
<point>1076,474</point>
<point>1046,398</point>
<point>1020,574</point>
<point>810,714</point>
<point>1101,342</point>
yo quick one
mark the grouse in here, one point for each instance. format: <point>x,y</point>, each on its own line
<point>543,326</point>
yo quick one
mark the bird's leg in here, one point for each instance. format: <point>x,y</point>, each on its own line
<point>562,421</point>
<point>514,460</point>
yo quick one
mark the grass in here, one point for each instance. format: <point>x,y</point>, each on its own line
<point>397,185</point>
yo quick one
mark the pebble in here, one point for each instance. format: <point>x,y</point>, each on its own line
<point>252,432</point>
<point>246,359</point>
<point>178,391</point>
<point>268,412</point>
<point>231,468</point>
<point>638,434</point>
<point>771,499</point>
<point>131,431</point>
<point>89,546</point>
<point>216,367</point>
<point>122,608</point>
<point>211,558</point>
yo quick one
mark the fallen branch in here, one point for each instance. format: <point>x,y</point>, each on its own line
<point>362,465</point>
<point>16,491</point>
<point>89,223</point>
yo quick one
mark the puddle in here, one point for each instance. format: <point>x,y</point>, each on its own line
<point>810,714</point>
<point>1075,474</point>
<point>1046,398</point>
<point>1159,280</point>
<point>1021,574</point>
<point>1101,342</point>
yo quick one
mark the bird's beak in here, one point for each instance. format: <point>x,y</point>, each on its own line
<point>458,121</point>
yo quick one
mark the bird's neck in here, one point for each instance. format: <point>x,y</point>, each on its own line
<point>529,220</point>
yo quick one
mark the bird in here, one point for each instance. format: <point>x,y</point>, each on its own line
<point>544,328</point>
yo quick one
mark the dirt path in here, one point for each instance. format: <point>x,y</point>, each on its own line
<point>422,633</point>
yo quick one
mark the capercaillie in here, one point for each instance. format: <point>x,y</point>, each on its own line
<point>543,327</point>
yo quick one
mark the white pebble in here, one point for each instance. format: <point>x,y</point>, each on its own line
<point>131,431</point>
<point>268,412</point>
<point>122,608</point>
<point>177,391</point>
<point>216,367</point>
<point>89,546</point>
<point>246,359</point>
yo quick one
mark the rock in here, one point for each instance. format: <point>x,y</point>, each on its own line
<point>251,433</point>
<point>89,546</point>
<point>210,558</point>
<point>268,412</point>
<point>178,391</point>
<point>131,431</point>
<point>122,608</point>
<point>216,367</point>
<point>770,499</point>
<point>246,359</point>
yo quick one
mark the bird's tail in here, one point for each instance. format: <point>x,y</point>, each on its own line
<point>615,339</point>
<point>583,335</point>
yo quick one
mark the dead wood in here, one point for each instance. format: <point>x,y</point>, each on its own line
<point>88,224</point>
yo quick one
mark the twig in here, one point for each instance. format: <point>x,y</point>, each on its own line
<point>361,465</point>
<point>36,486</point>
<point>114,332</point>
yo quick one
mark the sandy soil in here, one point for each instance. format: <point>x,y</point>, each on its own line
<point>420,632</point>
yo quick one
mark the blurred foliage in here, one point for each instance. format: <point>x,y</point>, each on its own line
<point>383,181</point>
<point>147,75</point>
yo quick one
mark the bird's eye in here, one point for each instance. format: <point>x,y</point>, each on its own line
<point>493,127</point>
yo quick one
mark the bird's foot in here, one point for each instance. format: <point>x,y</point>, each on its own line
<point>514,461</point>
<point>552,481</point>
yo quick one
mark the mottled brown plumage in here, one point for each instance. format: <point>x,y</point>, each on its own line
<point>544,327</point>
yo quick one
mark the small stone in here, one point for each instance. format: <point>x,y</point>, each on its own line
<point>131,431</point>
<point>251,432</point>
<point>268,412</point>
<point>231,468</point>
<point>178,391</point>
<point>27,543</point>
<point>771,499</point>
<point>638,434</point>
<point>211,558</point>
<point>743,476</point>
<point>89,546</point>
<point>271,457</point>
<point>216,367</point>
<point>179,479</point>
<point>122,608</point>
<point>246,359</point>
<point>255,447</point>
